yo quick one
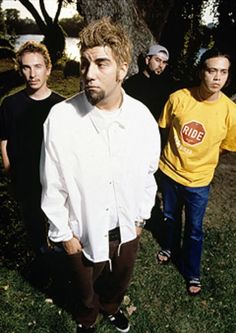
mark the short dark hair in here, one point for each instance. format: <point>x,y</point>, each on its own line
<point>214,52</point>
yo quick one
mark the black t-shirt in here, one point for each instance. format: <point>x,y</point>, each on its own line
<point>153,91</point>
<point>21,124</point>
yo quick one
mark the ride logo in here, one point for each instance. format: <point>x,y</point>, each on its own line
<point>193,132</point>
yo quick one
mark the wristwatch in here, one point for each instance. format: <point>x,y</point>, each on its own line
<point>140,223</point>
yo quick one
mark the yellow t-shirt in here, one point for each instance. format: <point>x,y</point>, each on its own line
<point>197,132</point>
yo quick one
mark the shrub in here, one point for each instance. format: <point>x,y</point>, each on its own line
<point>72,68</point>
<point>6,52</point>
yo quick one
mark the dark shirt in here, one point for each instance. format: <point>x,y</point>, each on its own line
<point>21,124</point>
<point>153,91</point>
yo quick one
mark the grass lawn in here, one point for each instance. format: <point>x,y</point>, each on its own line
<point>156,300</point>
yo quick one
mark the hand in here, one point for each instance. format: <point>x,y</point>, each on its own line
<point>139,231</point>
<point>72,246</point>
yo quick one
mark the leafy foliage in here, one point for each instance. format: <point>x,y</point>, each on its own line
<point>225,32</point>
<point>177,24</point>
<point>73,25</point>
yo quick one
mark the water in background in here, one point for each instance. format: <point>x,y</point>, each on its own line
<point>72,50</point>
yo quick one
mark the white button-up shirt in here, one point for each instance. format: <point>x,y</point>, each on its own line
<point>83,173</point>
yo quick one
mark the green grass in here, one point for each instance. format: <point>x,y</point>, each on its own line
<point>157,298</point>
<point>66,87</point>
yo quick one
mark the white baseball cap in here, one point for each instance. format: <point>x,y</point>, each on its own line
<point>157,48</point>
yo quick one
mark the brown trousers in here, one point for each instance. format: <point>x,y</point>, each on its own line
<point>96,286</point>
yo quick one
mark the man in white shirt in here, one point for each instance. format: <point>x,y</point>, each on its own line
<point>101,149</point>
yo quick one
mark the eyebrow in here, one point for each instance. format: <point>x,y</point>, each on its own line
<point>217,69</point>
<point>157,56</point>
<point>31,65</point>
<point>101,60</point>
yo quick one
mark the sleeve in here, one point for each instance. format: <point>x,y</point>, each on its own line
<point>3,121</point>
<point>166,115</point>
<point>150,186</point>
<point>229,142</point>
<point>54,194</point>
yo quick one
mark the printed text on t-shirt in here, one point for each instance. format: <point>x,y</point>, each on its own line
<point>193,132</point>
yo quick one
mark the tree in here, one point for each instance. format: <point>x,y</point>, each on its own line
<point>12,18</point>
<point>72,25</point>
<point>174,23</point>
<point>177,24</point>
<point>6,47</point>
<point>2,21</point>
<point>27,26</point>
<point>183,36</point>
<point>54,36</point>
<point>224,35</point>
<point>127,14</point>
<point>155,13</point>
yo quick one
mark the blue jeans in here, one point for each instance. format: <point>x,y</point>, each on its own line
<point>194,201</point>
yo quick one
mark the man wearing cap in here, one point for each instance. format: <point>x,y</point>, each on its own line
<point>151,85</point>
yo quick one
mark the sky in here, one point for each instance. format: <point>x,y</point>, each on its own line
<point>208,16</point>
<point>51,6</point>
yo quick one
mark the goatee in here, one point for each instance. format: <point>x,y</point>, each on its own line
<point>94,97</point>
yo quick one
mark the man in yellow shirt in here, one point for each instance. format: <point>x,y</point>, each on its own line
<point>196,124</point>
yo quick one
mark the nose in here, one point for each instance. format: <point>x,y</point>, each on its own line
<point>32,72</point>
<point>217,76</point>
<point>89,72</point>
<point>162,64</point>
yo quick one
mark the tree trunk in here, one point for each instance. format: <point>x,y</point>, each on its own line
<point>127,14</point>
<point>54,36</point>
<point>54,39</point>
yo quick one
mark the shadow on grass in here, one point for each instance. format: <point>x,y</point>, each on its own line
<point>155,225</point>
<point>46,273</point>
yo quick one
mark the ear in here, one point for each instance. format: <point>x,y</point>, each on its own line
<point>147,60</point>
<point>200,74</point>
<point>49,70</point>
<point>122,71</point>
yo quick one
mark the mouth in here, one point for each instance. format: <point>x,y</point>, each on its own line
<point>91,88</point>
<point>33,82</point>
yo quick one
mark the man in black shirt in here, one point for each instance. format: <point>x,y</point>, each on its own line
<point>152,84</point>
<point>21,130</point>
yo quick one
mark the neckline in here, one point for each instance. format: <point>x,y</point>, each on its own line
<point>205,100</point>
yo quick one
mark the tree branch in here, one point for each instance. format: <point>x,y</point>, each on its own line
<point>47,18</point>
<point>58,11</point>
<point>28,5</point>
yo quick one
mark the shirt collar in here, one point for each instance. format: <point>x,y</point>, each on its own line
<point>98,120</point>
